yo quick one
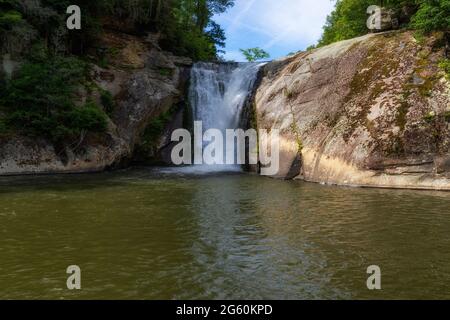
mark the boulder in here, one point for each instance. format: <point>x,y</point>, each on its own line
<point>387,19</point>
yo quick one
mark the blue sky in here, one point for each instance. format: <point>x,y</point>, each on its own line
<point>277,26</point>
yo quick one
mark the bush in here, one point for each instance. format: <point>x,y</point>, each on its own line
<point>7,19</point>
<point>39,100</point>
<point>107,101</point>
<point>445,65</point>
<point>433,15</point>
<point>254,54</point>
<point>190,43</point>
<point>348,20</point>
<point>87,118</point>
<point>153,132</point>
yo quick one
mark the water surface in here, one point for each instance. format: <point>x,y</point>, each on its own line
<point>158,234</point>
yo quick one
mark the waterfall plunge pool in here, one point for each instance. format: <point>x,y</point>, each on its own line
<point>213,232</point>
<point>169,234</point>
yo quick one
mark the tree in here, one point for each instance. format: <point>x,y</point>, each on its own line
<point>432,15</point>
<point>255,54</point>
<point>189,29</point>
<point>348,20</point>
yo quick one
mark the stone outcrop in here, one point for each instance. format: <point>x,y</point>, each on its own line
<point>387,19</point>
<point>371,111</point>
<point>144,81</point>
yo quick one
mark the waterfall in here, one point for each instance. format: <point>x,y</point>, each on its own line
<point>217,96</point>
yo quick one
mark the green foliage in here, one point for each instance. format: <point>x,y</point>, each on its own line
<point>193,44</point>
<point>153,132</point>
<point>349,18</point>
<point>9,18</point>
<point>430,117</point>
<point>87,118</point>
<point>254,54</point>
<point>433,15</point>
<point>165,72</point>
<point>447,116</point>
<point>445,65</point>
<point>107,101</point>
<point>187,25</point>
<point>138,10</point>
<point>39,100</point>
<point>190,31</point>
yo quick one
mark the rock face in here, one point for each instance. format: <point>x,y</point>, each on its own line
<point>386,20</point>
<point>144,82</point>
<point>371,111</point>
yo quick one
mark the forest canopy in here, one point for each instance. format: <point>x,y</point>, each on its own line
<point>348,20</point>
<point>34,103</point>
<point>187,25</point>
<point>35,33</point>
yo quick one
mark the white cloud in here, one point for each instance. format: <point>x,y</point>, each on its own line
<point>286,22</point>
<point>244,7</point>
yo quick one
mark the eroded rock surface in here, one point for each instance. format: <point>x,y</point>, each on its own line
<point>371,111</point>
<point>144,82</point>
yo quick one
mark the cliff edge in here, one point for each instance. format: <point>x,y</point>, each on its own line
<point>371,111</point>
<point>143,82</point>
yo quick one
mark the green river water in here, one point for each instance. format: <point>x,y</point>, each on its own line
<point>164,234</point>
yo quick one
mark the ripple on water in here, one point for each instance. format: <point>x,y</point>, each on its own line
<point>166,234</point>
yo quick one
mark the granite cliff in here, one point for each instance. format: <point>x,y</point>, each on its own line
<point>144,82</point>
<point>371,111</point>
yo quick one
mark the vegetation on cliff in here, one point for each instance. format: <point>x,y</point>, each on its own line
<point>186,25</point>
<point>41,99</point>
<point>348,20</point>
<point>255,54</point>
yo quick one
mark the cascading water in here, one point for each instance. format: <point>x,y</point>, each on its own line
<point>217,95</point>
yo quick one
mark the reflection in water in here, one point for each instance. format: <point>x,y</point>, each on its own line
<point>158,234</point>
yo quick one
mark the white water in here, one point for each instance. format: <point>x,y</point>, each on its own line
<point>217,96</point>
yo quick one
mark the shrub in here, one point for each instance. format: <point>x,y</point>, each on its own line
<point>348,20</point>
<point>433,15</point>
<point>153,132</point>
<point>445,65</point>
<point>7,19</point>
<point>87,118</point>
<point>190,43</point>
<point>254,54</point>
<point>107,101</point>
<point>39,100</point>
